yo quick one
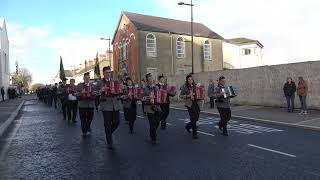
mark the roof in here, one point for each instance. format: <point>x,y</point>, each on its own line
<point>68,73</point>
<point>165,25</point>
<point>243,41</point>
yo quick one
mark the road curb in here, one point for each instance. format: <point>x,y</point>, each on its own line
<point>7,123</point>
<point>261,120</point>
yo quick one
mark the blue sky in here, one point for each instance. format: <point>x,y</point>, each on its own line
<point>41,30</point>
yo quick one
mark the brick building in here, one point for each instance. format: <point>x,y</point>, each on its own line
<point>148,44</point>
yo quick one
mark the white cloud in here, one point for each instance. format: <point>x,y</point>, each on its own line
<point>288,28</point>
<point>38,49</point>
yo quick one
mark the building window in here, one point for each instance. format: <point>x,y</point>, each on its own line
<point>151,45</point>
<point>246,51</point>
<point>181,71</point>
<point>124,50</point>
<point>207,50</point>
<point>181,48</point>
<point>5,63</point>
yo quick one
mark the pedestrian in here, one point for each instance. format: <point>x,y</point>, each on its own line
<point>165,107</point>
<point>302,91</point>
<point>2,93</point>
<point>109,105</point>
<point>151,108</point>
<point>192,104</point>
<point>210,93</point>
<point>129,104</point>
<point>63,96</point>
<point>72,105</point>
<point>289,90</point>
<point>142,86</point>
<point>222,97</point>
<point>54,95</point>
<point>86,96</point>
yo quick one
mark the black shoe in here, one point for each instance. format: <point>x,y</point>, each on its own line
<point>188,129</point>
<point>163,127</point>
<point>74,121</point>
<point>110,146</point>
<point>153,142</point>
<point>195,136</point>
<point>225,134</point>
<point>89,130</point>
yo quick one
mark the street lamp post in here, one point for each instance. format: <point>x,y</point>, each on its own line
<point>109,55</point>
<point>191,5</point>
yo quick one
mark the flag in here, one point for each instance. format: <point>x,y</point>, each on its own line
<point>97,74</point>
<point>62,75</point>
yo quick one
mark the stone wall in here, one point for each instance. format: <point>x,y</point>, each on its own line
<point>264,85</point>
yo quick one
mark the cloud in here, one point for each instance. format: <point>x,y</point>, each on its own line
<point>38,49</point>
<point>288,29</point>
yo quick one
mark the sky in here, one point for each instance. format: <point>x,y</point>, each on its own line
<point>41,30</point>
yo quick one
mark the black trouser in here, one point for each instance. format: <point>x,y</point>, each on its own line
<point>130,115</point>
<point>194,113</point>
<point>290,103</point>
<point>55,101</point>
<point>154,120</point>
<point>97,102</point>
<point>64,107</point>
<point>211,102</point>
<point>225,116</point>
<point>165,109</point>
<point>86,116</point>
<point>142,103</point>
<point>72,108</point>
<point>2,97</point>
<point>111,123</point>
<point>50,99</point>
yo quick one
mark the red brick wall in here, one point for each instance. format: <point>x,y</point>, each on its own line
<point>132,40</point>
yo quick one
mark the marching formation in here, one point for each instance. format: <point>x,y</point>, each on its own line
<point>113,95</point>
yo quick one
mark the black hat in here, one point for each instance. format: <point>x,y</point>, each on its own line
<point>107,68</point>
<point>161,76</point>
<point>64,79</point>
<point>148,75</point>
<point>221,77</point>
<point>86,74</point>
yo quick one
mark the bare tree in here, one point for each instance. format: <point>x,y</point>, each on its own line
<point>23,78</point>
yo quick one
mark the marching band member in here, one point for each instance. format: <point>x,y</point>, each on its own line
<point>129,104</point>
<point>192,104</point>
<point>109,105</point>
<point>223,104</point>
<point>63,96</point>
<point>165,108</point>
<point>151,108</point>
<point>72,105</point>
<point>86,103</point>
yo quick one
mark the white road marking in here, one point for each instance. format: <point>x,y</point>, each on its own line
<point>308,121</point>
<point>206,133</point>
<point>271,150</point>
<point>142,117</point>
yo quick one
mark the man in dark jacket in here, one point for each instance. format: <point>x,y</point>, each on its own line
<point>289,90</point>
<point>2,93</point>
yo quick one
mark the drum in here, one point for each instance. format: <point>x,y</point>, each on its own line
<point>161,96</point>
<point>199,92</point>
<point>71,89</point>
<point>172,90</point>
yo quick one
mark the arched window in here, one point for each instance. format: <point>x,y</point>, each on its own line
<point>151,45</point>
<point>124,49</point>
<point>207,50</point>
<point>181,48</point>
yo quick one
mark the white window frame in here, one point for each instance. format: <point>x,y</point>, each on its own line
<point>179,70</point>
<point>151,51</point>
<point>183,54</point>
<point>208,46</point>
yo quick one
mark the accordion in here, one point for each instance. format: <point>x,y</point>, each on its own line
<point>161,96</point>
<point>87,93</point>
<point>199,92</point>
<point>115,87</point>
<point>107,88</point>
<point>231,92</point>
<point>172,90</point>
<point>137,93</point>
<point>71,89</point>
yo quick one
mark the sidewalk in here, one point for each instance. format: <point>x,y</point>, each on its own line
<point>272,115</point>
<point>9,109</point>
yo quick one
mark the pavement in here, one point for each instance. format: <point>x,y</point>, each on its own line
<point>271,115</point>
<point>39,144</point>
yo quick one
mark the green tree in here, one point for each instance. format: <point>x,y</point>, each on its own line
<point>23,78</point>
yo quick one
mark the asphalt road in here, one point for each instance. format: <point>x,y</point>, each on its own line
<point>40,145</point>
